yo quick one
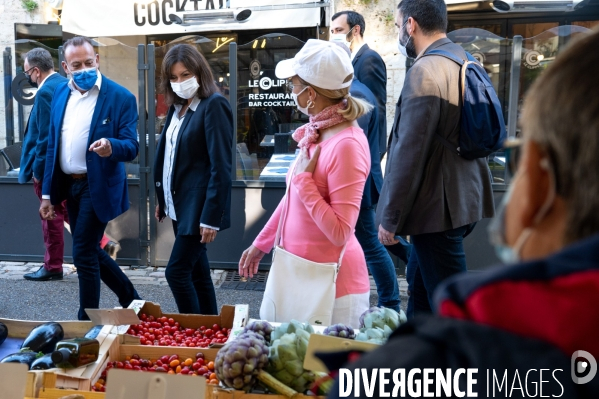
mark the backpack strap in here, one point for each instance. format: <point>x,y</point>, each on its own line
<point>446,54</point>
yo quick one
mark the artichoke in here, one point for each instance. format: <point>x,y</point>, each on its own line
<point>340,330</point>
<point>381,317</point>
<point>287,353</point>
<point>261,327</point>
<point>291,327</point>
<point>238,362</point>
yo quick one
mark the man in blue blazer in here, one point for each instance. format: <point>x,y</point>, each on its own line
<point>39,68</point>
<point>369,68</point>
<point>92,133</point>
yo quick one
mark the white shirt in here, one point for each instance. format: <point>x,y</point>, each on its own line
<point>172,133</point>
<point>75,128</point>
<point>40,85</point>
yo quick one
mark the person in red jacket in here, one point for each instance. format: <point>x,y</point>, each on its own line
<point>540,311</point>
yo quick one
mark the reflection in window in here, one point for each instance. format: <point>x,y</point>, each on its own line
<point>586,24</point>
<point>266,112</point>
<point>532,29</point>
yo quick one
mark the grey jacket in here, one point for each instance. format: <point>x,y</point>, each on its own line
<point>427,188</point>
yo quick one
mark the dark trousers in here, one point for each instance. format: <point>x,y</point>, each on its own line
<point>434,257</point>
<point>378,260</point>
<point>53,231</point>
<point>92,263</point>
<point>188,275</point>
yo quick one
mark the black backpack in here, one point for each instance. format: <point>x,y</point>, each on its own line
<point>482,125</point>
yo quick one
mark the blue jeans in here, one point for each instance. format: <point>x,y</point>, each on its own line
<point>188,275</point>
<point>434,257</point>
<point>92,263</point>
<point>378,260</point>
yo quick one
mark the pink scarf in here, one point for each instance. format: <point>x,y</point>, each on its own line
<point>308,134</point>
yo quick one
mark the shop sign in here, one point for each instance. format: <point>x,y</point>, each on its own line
<point>269,99</point>
<point>97,18</point>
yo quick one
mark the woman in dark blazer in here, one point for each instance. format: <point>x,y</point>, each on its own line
<point>192,174</point>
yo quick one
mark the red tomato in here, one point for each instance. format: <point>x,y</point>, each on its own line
<point>215,327</point>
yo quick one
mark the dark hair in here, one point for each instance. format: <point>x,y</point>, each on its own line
<point>39,57</point>
<point>77,41</point>
<point>431,15</point>
<point>353,19</point>
<point>195,63</point>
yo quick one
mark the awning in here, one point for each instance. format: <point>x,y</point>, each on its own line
<point>96,18</point>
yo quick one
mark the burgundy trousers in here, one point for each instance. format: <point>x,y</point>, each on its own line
<point>53,234</point>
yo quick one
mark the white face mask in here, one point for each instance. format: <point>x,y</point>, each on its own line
<point>341,38</point>
<point>303,110</point>
<point>497,227</point>
<point>186,89</point>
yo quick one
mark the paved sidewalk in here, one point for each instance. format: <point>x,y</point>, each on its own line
<point>140,276</point>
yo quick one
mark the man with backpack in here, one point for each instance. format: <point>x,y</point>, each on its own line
<point>431,190</point>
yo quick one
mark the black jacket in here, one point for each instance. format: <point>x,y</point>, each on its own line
<point>201,181</point>
<point>442,343</point>
<point>370,69</point>
<point>369,123</point>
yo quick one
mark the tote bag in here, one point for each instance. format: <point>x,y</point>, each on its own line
<point>298,288</point>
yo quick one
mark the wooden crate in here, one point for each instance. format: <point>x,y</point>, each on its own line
<point>219,393</point>
<point>20,329</point>
<point>57,385</point>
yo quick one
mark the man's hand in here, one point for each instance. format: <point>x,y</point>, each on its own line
<point>386,237</point>
<point>208,235</point>
<point>47,210</point>
<point>249,262</point>
<point>157,214</point>
<point>305,163</point>
<point>101,147</point>
<point>36,181</point>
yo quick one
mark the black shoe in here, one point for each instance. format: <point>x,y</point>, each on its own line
<point>112,248</point>
<point>43,275</point>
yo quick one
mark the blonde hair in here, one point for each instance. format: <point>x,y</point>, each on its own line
<point>355,106</point>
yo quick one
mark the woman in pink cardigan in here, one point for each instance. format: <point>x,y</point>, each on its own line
<point>327,181</point>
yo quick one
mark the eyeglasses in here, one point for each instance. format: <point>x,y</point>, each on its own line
<point>29,70</point>
<point>290,85</point>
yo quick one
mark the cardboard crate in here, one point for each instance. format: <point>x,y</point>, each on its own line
<point>57,385</point>
<point>232,317</point>
<point>18,330</point>
<point>219,393</point>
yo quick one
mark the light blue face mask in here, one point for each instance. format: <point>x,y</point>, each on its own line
<point>85,79</point>
<point>497,237</point>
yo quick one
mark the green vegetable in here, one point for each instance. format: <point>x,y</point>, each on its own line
<point>381,317</point>
<point>287,353</point>
<point>240,362</point>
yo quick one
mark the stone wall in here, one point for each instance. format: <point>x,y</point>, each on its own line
<point>12,11</point>
<point>381,35</point>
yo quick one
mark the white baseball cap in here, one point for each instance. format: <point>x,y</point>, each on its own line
<point>321,63</point>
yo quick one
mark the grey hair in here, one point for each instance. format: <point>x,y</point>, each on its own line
<point>561,115</point>
<point>40,58</point>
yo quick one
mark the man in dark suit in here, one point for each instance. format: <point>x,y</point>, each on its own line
<point>369,68</point>
<point>430,193</point>
<point>92,133</point>
<point>39,68</point>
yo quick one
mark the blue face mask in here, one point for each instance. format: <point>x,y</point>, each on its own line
<point>510,255</point>
<point>85,79</point>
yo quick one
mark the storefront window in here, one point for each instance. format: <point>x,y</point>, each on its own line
<point>586,24</point>
<point>528,30</point>
<point>266,112</point>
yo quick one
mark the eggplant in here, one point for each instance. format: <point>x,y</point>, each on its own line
<point>20,357</point>
<point>3,332</point>
<point>44,338</point>
<point>43,363</point>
